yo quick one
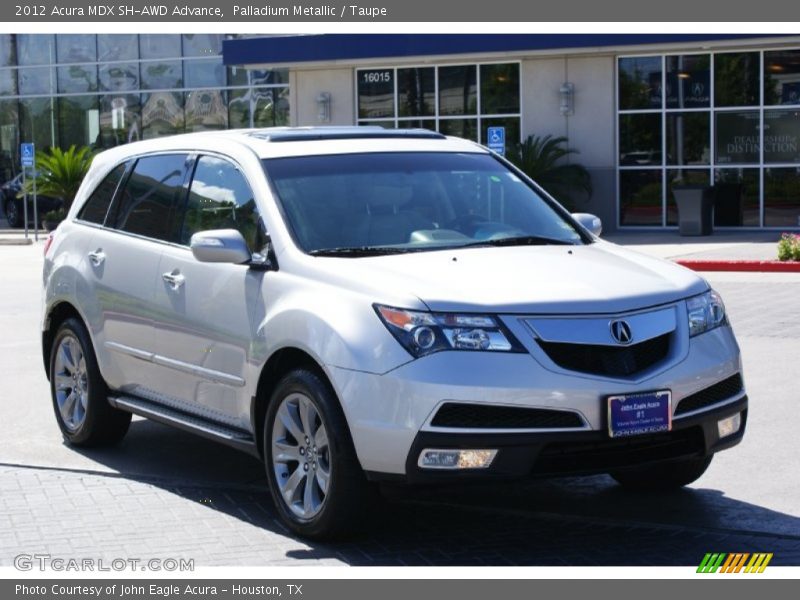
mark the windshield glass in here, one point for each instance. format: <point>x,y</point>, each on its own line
<point>402,202</point>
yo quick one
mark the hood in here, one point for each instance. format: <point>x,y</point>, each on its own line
<point>595,278</point>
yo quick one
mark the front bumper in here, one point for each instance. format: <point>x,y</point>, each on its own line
<point>579,453</point>
<point>391,415</point>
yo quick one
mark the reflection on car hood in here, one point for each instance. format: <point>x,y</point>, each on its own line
<point>596,278</point>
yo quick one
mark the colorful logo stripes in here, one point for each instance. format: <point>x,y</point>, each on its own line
<point>735,562</point>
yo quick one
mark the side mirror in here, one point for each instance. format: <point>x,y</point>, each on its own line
<point>220,246</point>
<point>590,222</point>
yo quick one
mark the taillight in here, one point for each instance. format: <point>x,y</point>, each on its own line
<point>49,242</point>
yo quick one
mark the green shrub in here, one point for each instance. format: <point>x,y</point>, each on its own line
<point>789,247</point>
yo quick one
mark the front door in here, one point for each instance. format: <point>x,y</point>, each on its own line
<point>209,314</point>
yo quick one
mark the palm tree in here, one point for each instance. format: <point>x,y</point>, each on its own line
<point>542,159</point>
<point>59,173</point>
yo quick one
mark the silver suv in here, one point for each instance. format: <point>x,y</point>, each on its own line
<point>359,305</point>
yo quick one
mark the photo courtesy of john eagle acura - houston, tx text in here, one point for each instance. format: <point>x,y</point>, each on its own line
<point>358,306</point>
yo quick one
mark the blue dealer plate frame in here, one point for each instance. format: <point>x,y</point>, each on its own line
<point>639,414</point>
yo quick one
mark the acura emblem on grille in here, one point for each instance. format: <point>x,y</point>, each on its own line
<point>621,332</point>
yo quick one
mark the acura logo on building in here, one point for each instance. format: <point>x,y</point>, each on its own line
<point>621,332</point>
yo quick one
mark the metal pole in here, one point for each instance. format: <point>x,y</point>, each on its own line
<point>25,200</point>
<point>35,210</point>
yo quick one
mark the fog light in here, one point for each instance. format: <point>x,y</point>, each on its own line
<point>456,459</point>
<point>730,425</point>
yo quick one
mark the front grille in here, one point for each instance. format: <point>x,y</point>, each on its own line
<point>479,416</point>
<point>616,361</point>
<point>725,389</point>
<point>614,453</point>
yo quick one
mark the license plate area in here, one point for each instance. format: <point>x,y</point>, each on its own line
<point>639,414</point>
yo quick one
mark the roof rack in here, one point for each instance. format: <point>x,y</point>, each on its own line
<point>301,134</point>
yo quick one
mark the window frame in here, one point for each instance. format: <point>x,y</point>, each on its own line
<point>712,110</point>
<point>478,117</point>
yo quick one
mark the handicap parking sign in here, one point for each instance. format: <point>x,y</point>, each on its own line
<point>496,137</point>
<point>27,154</point>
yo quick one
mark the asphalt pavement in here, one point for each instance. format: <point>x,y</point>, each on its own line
<point>164,492</point>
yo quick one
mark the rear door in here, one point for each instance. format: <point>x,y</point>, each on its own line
<point>209,313</point>
<point>124,257</point>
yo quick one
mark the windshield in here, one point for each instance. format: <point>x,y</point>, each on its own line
<point>352,204</point>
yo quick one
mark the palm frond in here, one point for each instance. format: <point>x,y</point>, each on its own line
<point>59,173</point>
<point>542,159</point>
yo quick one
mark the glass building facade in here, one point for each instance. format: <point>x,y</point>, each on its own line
<point>105,90</point>
<point>731,119</point>
<point>727,117</point>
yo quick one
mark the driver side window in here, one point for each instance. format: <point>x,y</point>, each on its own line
<point>220,198</point>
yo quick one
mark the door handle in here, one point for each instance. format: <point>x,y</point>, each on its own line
<point>97,257</point>
<point>174,279</point>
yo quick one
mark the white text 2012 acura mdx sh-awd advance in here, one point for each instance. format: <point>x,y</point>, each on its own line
<point>356,305</point>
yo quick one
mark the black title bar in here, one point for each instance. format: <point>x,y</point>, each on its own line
<point>393,11</point>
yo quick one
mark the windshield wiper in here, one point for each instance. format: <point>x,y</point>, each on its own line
<point>356,251</point>
<point>521,240</point>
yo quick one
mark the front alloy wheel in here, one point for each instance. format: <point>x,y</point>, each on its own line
<point>301,456</point>
<point>315,479</point>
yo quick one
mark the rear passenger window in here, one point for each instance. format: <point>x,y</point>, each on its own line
<point>96,207</point>
<point>147,203</point>
<point>220,198</point>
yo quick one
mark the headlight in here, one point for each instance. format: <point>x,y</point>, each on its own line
<point>706,312</point>
<point>424,333</point>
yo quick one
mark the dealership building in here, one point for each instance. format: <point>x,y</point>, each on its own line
<point>645,113</point>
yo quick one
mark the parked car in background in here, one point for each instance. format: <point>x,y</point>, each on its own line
<point>360,305</point>
<point>13,206</point>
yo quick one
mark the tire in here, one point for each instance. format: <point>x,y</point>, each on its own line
<point>12,214</point>
<point>318,487</point>
<point>665,476</point>
<point>79,393</point>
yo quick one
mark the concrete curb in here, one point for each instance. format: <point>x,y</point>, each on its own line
<point>759,266</point>
<point>13,242</point>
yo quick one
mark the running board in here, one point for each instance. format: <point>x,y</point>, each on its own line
<point>230,436</point>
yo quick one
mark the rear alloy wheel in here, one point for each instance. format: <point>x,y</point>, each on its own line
<point>315,478</point>
<point>71,383</point>
<point>80,395</point>
<point>664,476</point>
<point>12,215</point>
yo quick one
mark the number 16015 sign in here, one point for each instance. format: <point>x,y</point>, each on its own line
<point>376,76</point>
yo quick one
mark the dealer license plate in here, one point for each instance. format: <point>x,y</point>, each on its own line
<point>637,414</point>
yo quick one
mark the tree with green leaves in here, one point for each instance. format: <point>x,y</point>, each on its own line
<point>543,159</point>
<point>59,173</point>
